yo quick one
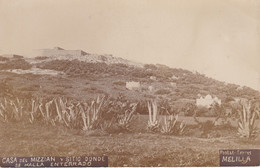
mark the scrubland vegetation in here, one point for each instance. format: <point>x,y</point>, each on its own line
<point>89,111</point>
<point>14,64</point>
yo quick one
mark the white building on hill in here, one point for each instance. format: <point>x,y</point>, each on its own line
<point>57,51</point>
<point>132,85</point>
<point>207,101</point>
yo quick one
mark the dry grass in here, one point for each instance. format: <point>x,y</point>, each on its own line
<point>122,149</point>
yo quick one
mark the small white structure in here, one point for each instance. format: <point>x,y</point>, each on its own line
<point>150,88</point>
<point>174,77</point>
<point>207,101</point>
<point>239,88</point>
<point>153,78</point>
<point>132,85</point>
<point>173,84</point>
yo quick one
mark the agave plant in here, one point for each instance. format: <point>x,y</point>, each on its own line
<point>125,119</point>
<point>35,106</point>
<point>18,107</point>
<point>92,115</point>
<point>45,110</point>
<point>153,123</point>
<point>247,118</point>
<point>11,109</point>
<point>181,128</point>
<point>3,109</point>
<point>171,126</point>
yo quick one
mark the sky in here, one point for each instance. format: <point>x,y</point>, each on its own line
<point>219,38</point>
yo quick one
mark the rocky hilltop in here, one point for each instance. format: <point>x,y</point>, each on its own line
<point>58,53</point>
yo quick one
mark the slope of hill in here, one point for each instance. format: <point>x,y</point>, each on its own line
<point>78,79</point>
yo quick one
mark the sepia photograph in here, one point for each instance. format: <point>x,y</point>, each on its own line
<point>129,83</point>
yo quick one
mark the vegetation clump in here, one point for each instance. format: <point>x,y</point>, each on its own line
<point>15,64</point>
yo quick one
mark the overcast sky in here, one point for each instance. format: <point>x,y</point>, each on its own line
<point>220,38</point>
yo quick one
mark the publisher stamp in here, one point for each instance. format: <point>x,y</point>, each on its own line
<point>52,161</point>
<point>239,157</point>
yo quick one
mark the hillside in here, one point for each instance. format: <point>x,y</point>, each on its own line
<point>78,79</point>
<point>146,115</point>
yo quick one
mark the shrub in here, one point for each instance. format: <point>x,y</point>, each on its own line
<point>142,107</point>
<point>221,114</point>
<point>6,90</point>
<point>189,109</point>
<point>202,111</point>
<point>168,107</point>
<point>150,66</point>
<point>3,58</point>
<point>206,127</point>
<point>41,57</point>
<point>163,91</point>
<point>121,83</point>
<point>118,114</point>
<point>15,64</point>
